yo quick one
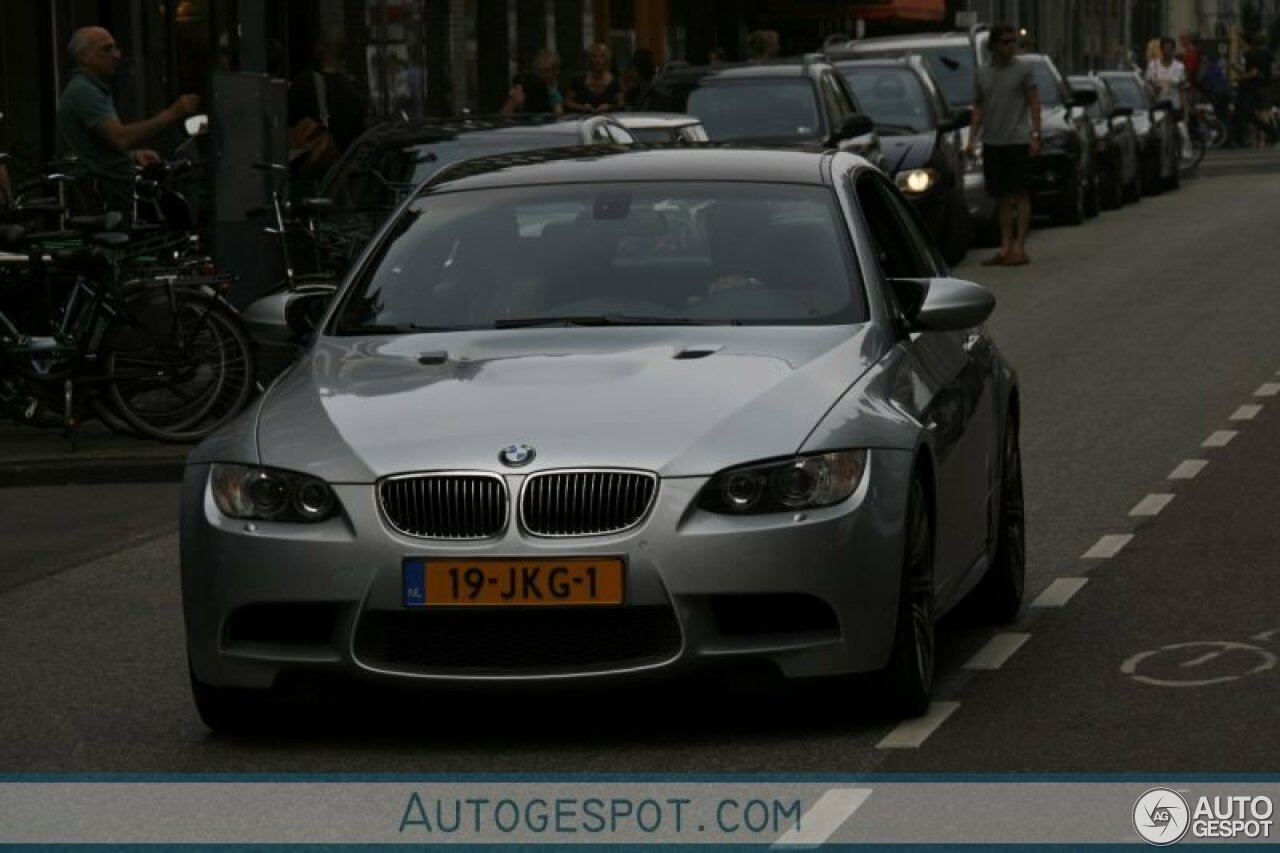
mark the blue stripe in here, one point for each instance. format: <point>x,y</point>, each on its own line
<point>643,778</point>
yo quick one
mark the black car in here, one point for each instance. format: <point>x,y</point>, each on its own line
<point>789,101</point>
<point>1154,124</point>
<point>1119,175</point>
<point>1064,176</point>
<point>921,138</point>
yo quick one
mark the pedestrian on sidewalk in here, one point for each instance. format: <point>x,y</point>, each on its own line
<point>1006,116</point>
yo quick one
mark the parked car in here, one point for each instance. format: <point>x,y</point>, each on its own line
<point>953,58</point>
<point>663,127</point>
<point>584,418</point>
<point>788,101</point>
<point>921,138</point>
<point>1064,176</point>
<point>1119,172</point>
<point>382,168</point>
<point>1153,123</point>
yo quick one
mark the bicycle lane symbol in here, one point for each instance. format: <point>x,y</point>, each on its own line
<point>1186,664</point>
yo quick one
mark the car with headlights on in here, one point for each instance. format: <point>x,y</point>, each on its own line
<point>1064,175</point>
<point>585,417</point>
<point>921,138</point>
<point>1119,175</point>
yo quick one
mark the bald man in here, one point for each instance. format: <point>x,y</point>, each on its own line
<point>89,127</point>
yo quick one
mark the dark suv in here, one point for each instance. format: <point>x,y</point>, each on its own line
<point>789,101</point>
<point>953,58</point>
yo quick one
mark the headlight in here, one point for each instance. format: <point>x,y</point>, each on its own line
<point>916,181</point>
<point>806,482</point>
<point>269,494</point>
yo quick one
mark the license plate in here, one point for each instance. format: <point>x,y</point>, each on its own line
<point>513,582</point>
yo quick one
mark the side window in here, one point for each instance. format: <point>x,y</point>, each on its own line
<point>898,246</point>
<point>600,133</point>
<point>618,134</point>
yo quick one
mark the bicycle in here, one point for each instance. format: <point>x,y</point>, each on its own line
<point>166,355</point>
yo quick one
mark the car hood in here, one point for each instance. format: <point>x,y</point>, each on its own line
<point>908,151</point>
<point>682,402</point>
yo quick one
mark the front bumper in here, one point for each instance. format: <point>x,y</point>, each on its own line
<point>812,594</point>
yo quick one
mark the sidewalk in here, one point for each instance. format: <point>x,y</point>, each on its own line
<point>37,457</point>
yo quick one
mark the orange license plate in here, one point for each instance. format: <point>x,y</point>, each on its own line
<point>501,581</point>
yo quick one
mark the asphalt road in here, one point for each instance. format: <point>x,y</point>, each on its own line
<point>1136,337</point>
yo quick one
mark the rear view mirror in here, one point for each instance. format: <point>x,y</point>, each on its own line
<point>858,124</point>
<point>943,304</point>
<point>958,119</point>
<point>196,125</point>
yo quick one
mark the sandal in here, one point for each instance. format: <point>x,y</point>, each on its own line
<point>999,259</point>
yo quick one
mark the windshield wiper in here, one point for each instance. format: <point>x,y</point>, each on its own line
<point>596,320</point>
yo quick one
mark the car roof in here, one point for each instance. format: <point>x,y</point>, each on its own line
<point>616,163</point>
<point>646,121</point>
<point>910,40</point>
<point>787,67</point>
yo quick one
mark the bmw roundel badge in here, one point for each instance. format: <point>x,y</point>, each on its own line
<point>516,455</point>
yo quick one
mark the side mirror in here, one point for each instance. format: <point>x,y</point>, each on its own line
<point>1083,97</point>
<point>943,304</point>
<point>287,317</point>
<point>196,125</point>
<point>858,124</point>
<point>962,117</point>
<point>1122,112</point>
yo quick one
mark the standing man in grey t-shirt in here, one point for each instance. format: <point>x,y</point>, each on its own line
<point>90,129</point>
<point>1006,111</point>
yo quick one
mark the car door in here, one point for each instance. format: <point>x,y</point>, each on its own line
<point>952,374</point>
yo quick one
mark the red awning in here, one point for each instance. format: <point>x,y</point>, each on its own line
<point>901,10</point>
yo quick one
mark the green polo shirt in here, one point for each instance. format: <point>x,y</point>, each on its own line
<point>84,106</point>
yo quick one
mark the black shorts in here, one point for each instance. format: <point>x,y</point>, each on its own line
<point>1006,169</point>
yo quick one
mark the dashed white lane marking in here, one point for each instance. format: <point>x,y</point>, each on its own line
<point>1107,547</point>
<point>1188,470</point>
<point>822,820</point>
<point>1151,505</point>
<point>997,650</point>
<point>1246,413</point>
<point>1059,592</point>
<point>1267,389</point>
<point>909,734</point>
<point>1221,438</point>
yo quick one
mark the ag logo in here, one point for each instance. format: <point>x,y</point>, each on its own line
<point>1161,816</point>
<point>516,455</point>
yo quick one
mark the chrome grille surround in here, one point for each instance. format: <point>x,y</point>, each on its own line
<point>460,505</point>
<point>575,502</point>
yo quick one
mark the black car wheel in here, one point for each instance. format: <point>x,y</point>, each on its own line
<point>998,596</point>
<point>1113,188</point>
<point>1093,194</point>
<point>957,229</point>
<point>907,681</point>
<point>1071,206</point>
<point>1133,189</point>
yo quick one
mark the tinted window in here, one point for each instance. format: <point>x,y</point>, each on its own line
<point>757,109</point>
<point>713,253</point>
<point>1128,92</point>
<point>653,134</point>
<point>892,97</point>
<point>952,66</point>
<point>1047,85</point>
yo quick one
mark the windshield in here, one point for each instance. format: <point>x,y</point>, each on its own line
<point>755,109</point>
<point>892,97</point>
<point>588,254</point>
<point>1047,86</point>
<point>1127,92</point>
<point>953,67</point>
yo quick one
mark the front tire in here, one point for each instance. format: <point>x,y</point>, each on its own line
<point>1071,206</point>
<point>998,596</point>
<point>907,681</point>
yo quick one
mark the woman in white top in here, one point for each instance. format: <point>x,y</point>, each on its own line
<point>1168,78</point>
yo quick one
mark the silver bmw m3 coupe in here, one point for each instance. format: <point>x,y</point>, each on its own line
<point>586,416</point>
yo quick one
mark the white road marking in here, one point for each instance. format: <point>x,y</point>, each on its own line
<point>1266,660</point>
<point>1246,413</point>
<point>1151,504</point>
<point>1107,547</point>
<point>1267,389</point>
<point>997,650</point>
<point>1188,470</point>
<point>824,817</point>
<point>911,733</point>
<point>1221,438</point>
<point>1265,635</point>
<point>1059,592</point>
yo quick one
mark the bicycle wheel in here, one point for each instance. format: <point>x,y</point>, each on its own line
<point>185,384</point>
